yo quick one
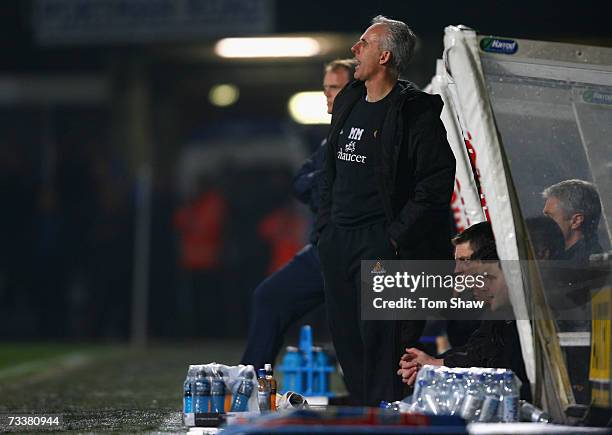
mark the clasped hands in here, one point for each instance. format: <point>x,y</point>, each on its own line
<point>411,362</point>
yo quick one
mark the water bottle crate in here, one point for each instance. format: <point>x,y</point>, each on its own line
<point>483,395</point>
<point>306,369</point>
<point>212,390</point>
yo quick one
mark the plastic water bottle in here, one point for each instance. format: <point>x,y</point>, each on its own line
<point>528,412</point>
<point>243,394</point>
<point>187,390</point>
<point>273,385</point>
<point>263,391</point>
<point>492,400</point>
<point>308,358</point>
<point>428,376</point>
<point>510,401</point>
<point>188,414</point>
<point>417,398</point>
<point>426,400</point>
<point>445,381</point>
<point>201,392</point>
<point>455,394</point>
<point>292,364</point>
<point>473,398</point>
<point>435,390</point>
<point>217,392</point>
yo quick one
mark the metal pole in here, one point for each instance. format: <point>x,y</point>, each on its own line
<point>133,134</point>
<point>142,243</point>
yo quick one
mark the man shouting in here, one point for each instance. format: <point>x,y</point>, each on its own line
<point>389,180</point>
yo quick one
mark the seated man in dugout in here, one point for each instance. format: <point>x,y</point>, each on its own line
<point>575,206</point>
<point>496,342</point>
<point>466,243</point>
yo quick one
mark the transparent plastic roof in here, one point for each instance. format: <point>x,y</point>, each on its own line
<point>553,128</point>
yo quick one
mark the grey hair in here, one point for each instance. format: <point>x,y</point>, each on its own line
<point>400,40</point>
<point>578,196</point>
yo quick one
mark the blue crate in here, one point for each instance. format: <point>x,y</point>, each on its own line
<point>310,376</point>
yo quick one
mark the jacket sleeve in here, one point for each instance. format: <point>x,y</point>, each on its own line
<point>485,348</point>
<point>434,177</point>
<point>306,183</point>
<point>471,354</point>
<point>324,212</point>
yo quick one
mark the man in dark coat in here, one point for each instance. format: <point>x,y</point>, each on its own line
<point>494,344</point>
<point>296,288</point>
<point>575,206</point>
<point>389,180</point>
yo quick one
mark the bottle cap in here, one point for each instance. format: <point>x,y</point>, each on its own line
<point>261,373</point>
<point>268,368</point>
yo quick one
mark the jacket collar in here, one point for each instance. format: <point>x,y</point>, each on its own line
<point>408,90</point>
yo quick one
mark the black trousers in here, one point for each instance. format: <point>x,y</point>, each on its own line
<point>368,351</point>
<point>280,300</point>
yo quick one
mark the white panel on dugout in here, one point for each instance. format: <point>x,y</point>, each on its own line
<point>462,59</point>
<point>465,203</point>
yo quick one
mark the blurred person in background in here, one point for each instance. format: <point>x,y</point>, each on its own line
<point>546,237</point>
<point>283,229</point>
<point>199,223</point>
<point>575,206</point>
<point>297,287</point>
<point>78,203</point>
<point>109,265</point>
<point>389,174</point>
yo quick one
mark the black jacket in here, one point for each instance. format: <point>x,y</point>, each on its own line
<point>580,252</point>
<point>307,182</point>
<point>494,344</point>
<point>415,170</point>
